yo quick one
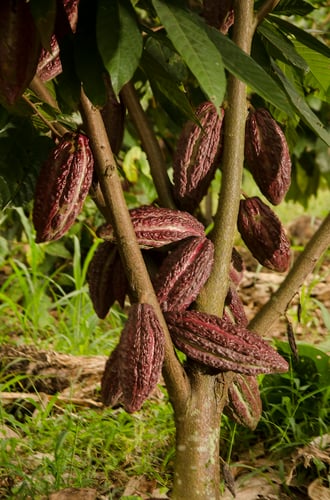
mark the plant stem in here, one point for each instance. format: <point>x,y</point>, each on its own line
<point>141,287</point>
<point>150,145</point>
<point>303,266</point>
<point>214,293</point>
<point>51,127</point>
<point>38,87</point>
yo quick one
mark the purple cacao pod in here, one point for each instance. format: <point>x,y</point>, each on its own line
<point>222,345</point>
<point>267,155</point>
<point>244,403</point>
<point>220,15</point>
<point>156,227</point>
<point>197,156</point>
<point>106,279</point>
<point>183,273</point>
<point>20,48</point>
<point>138,360</point>
<point>49,65</point>
<point>263,234</point>
<point>62,186</point>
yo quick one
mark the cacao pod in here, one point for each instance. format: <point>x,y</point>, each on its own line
<point>263,234</point>
<point>156,227</point>
<point>220,15</point>
<point>111,391</point>
<point>222,345</point>
<point>197,156</point>
<point>49,65</point>
<point>20,48</point>
<point>106,279</point>
<point>237,267</point>
<point>267,155</point>
<point>236,307</point>
<point>183,273</point>
<point>138,359</point>
<point>244,403</point>
<point>62,187</point>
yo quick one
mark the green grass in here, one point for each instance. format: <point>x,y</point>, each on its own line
<point>59,447</point>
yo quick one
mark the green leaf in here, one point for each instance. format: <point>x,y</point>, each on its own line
<point>166,87</point>
<point>302,36</point>
<point>44,14</point>
<point>282,45</point>
<point>189,37</point>
<point>302,108</point>
<point>319,65</point>
<point>246,69</point>
<point>119,40</point>
<point>290,7</point>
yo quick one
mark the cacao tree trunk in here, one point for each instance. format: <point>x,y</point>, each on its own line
<point>197,467</point>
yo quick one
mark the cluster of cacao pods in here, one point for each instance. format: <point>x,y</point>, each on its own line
<point>133,368</point>
<point>268,159</point>
<point>184,263</point>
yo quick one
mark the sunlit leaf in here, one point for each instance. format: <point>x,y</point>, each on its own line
<point>190,39</point>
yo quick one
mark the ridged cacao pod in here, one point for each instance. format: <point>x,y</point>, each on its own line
<point>49,65</point>
<point>263,234</point>
<point>237,267</point>
<point>111,391</point>
<point>138,359</point>
<point>244,403</point>
<point>62,187</point>
<point>20,48</point>
<point>183,273</point>
<point>267,155</point>
<point>197,156</point>
<point>156,227</point>
<point>222,345</point>
<point>106,279</point>
<point>236,307</point>
<point>220,15</point>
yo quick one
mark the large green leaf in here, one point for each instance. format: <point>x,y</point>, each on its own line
<point>302,108</point>
<point>246,69</point>
<point>282,45</point>
<point>119,40</point>
<point>190,39</point>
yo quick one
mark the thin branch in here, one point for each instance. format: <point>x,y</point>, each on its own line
<point>267,7</point>
<point>38,87</point>
<point>141,287</point>
<point>302,267</point>
<point>42,118</point>
<point>213,295</point>
<point>150,145</point>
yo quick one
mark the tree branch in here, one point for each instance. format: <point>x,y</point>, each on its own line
<point>267,7</point>
<point>302,267</point>
<point>150,145</point>
<point>214,293</point>
<point>141,287</point>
